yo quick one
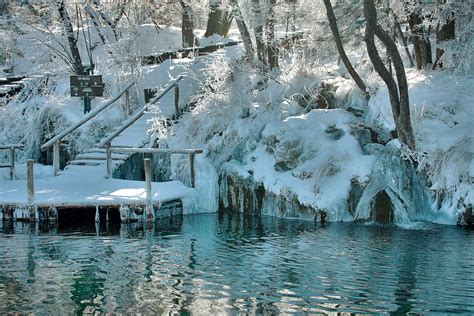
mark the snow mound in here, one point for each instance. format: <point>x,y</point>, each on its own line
<point>315,156</point>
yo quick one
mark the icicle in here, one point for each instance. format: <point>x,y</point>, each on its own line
<point>107,215</point>
<point>399,180</point>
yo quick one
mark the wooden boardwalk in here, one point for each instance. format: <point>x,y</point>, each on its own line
<point>86,181</point>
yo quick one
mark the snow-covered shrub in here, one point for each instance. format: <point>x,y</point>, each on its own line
<point>451,173</point>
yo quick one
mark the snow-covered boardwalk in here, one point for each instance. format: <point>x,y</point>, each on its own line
<point>65,191</point>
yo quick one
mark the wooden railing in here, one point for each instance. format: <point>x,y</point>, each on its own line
<point>11,165</point>
<point>107,142</point>
<point>56,141</point>
<point>132,150</point>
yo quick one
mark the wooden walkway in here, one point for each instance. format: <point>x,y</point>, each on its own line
<point>85,181</point>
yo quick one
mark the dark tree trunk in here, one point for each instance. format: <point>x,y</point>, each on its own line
<point>421,43</point>
<point>258,29</point>
<point>218,21</point>
<point>399,99</point>
<point>3,7</point>
<point>340,48</point>
<point>95,20</point>
<point>71,38</point>
<point>106,18</point>
<point>444,33</point>
<point>272,49</point>
<point>244,32</point>
<point>187,28</point>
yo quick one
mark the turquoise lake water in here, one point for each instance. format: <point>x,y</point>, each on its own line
<point>213,263</point>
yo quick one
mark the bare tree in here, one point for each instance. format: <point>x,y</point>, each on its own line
<point>340,48</point>
<point>258,29</point>
<point>244,32</point>
<point>187,28</point>
<point>219,19</point>
<point>106,18</point>
<point>398,90</point>
<point>272,49</point>
<point>444,32</point>
<point>95,21</point>
<point>421,42</point>
<point>71,37</point>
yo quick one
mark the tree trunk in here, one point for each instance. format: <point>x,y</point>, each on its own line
<point>399,99</point>
<point>219,20</point>
<point>3,8</point>
<point>187,28</point>
<point>106,18</point>
<point>244,32</point>
<point>258,29</point>
<point>340,48</point>
<point>403,41</point>
<point>76,57</point>
<point>272,49</point>
<point>445,33</point>
<point>95,20</point>
<point>421,43</point>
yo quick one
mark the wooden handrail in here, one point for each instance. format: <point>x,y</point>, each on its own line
<point>11,165</point>
<point>190,152</point>
<point>91,115</point>
<point>11,146</point>
<point>155,150</point>
<point>140,113</point>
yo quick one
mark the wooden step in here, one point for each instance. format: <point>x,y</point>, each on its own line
<point>86,162</point>
<point>95,150</point>
<point>99,157</point>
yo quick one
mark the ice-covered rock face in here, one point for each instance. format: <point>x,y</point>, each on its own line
<point>314,156</point>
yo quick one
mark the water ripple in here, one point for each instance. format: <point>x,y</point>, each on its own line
<point>231,264</point>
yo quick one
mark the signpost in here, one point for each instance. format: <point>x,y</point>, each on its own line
<point>86,86</point>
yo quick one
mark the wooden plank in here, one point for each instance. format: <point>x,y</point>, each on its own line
<point>191,169</point>
<point>176,100</point>
<point>5,165</point>
<point>30,181</point>
<point>10,146</point>
<point>56,158</point>
<point>150,215</point>
<point>12,162</point>
<point>109,160</point>
<point>155,150</point>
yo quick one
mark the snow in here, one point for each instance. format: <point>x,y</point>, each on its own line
<point>153,41</point>
<point>74,191</point>
<point>321,168</point>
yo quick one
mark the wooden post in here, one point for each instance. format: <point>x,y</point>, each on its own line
<point>108,153</point>
<point>150,216</point>
<point>56,158</point>
<point>12,163</point>
<point>30,181</point>
<point>127,102</point>
<point>176,100</point>
<point>97,217</point>
<point>191,169</point>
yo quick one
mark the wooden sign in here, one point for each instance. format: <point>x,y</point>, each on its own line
<point>86,86</point>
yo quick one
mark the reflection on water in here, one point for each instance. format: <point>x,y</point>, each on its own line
<point>229,263</point>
